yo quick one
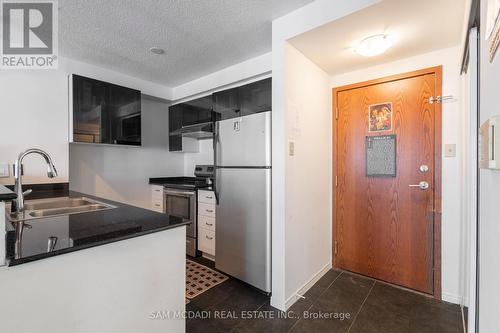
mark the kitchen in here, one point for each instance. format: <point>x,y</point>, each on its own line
<point>107,121</point>
<point>178,159</point>
<point>234,118</point>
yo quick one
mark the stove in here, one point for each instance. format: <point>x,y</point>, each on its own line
<point>204,175</point>
<point>180,199</point>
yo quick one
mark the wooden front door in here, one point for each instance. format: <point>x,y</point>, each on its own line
<point>387,139</point>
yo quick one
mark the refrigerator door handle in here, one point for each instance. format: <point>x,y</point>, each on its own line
<point>215,146</point>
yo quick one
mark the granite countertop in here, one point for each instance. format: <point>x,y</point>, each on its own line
<point>28,241</point>
<point>6,194</point>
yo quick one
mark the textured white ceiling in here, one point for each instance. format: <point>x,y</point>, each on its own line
<point>418,26</point>
<point>199,36</point>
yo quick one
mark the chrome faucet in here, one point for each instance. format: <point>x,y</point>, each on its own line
<point>18,203</point>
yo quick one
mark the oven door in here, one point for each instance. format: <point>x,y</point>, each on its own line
<point>181,204</point>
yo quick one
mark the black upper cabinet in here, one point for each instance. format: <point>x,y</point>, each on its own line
<point>255,97</point>
<point>105,113</point>
<point>175,117</point>
<point>193,112</point>
<point>174,123</point>
<point>241,101</point>
<point>197,111</point>
<point>231,103</point>
<point>226,103</point>
<point>175,142</point>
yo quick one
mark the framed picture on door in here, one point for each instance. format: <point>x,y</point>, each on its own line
<point>380,117</point>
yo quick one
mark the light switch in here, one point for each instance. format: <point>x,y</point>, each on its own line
<point>4,170</point>
<point>450,150</point>
<point>291,148</point>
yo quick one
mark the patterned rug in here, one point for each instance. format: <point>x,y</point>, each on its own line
<point>200,278</point>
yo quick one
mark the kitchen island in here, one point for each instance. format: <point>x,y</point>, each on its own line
<point>102,271</point>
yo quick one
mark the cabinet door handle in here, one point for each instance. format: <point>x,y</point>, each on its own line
<point>209,210</point>
<point>209,238</point>
<point>157,205</point>
<point>209,224</point>
<point>209,197</point>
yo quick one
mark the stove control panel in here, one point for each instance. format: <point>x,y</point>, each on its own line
<point>206,171</point>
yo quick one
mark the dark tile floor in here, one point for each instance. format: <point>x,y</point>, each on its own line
<point>355,304</point>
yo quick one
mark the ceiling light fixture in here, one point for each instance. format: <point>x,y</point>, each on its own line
<point>373,45</point>
<point>157,50</point>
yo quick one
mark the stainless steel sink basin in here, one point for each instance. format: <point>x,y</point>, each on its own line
<point>67,210</point>
<point>64,202</point>
<point>34,209</point>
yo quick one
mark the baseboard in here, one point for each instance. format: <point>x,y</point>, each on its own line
<point>452,298</point>
<point>208,256</point>
<point>306,286</point>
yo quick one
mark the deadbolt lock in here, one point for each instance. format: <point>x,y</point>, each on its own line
<point>424,168</point>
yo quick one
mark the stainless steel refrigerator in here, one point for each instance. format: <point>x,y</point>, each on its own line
<point>243,190</point>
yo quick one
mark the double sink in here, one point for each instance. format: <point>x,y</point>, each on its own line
<point>40,208</point>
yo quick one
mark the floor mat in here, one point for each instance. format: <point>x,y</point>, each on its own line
<point>200,278</point>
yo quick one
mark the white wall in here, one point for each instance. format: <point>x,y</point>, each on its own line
<point>109,288</point>
<point>122,173</point>
<point>299,21</point>
<point>34,113</point>
<point>308,202</point>
<point>452,195</point>
<point>489,197</point>
<point>204,156</point>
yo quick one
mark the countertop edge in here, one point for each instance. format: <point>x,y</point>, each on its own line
<point>16,262</point>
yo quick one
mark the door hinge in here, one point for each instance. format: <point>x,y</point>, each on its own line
<point>336,113</point>
<point>335,248</point>
<point>439,99</point>
<point>336,181</point>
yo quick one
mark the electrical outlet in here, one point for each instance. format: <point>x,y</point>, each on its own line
<point>4,170</point>
<point>291,148</point>
<point>450,150</point>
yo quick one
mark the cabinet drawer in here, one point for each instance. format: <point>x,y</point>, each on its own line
<point>206,209</point>
<point>157,192</point>
<point>206,196</point>
<point>206,241</point>
<point>157,205</point>
<point>206,222</point>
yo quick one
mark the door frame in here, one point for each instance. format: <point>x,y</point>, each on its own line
<point>438,73</point>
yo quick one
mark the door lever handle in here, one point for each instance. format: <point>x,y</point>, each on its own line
<point>423,185</point>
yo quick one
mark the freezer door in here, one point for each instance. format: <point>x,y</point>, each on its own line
<point>245,141</point>
<point>243,227</point>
